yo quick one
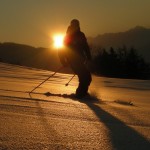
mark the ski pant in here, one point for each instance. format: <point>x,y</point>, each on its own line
<point>84,77</point>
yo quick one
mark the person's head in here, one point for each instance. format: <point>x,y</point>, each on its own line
<point>75,25</point>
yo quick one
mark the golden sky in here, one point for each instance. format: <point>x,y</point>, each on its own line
<point>33,22</point>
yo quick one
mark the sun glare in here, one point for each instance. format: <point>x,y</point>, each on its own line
<point>58,41</point>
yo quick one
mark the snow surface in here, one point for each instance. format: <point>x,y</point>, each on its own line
<point>61,122</point>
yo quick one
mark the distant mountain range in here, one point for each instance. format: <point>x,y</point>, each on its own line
<point>138,37</point>
<point>44,58</point>
<point>25,55</point>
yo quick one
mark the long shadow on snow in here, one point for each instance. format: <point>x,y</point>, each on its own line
<point>122,136</point>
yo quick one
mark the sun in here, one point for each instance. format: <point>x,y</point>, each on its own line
<point>58,41</point>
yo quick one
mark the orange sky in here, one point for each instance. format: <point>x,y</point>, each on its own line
<point>33,22</point>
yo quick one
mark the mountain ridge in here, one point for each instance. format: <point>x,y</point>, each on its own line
<point>137,37</point>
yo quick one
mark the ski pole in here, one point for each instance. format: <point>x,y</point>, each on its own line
<point>70,80</point>
<point>46,79</point>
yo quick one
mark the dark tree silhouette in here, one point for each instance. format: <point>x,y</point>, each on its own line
<point>123,63</point>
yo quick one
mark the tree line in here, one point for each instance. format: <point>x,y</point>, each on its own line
<point>120,63</point>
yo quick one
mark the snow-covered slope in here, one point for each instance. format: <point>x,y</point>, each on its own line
<point>59,121</point>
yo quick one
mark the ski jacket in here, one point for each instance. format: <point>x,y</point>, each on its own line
<point>77,43</point>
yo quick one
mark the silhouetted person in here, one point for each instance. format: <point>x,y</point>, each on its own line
<point>77,53</point>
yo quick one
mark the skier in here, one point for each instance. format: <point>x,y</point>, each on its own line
<point>77,54</point>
